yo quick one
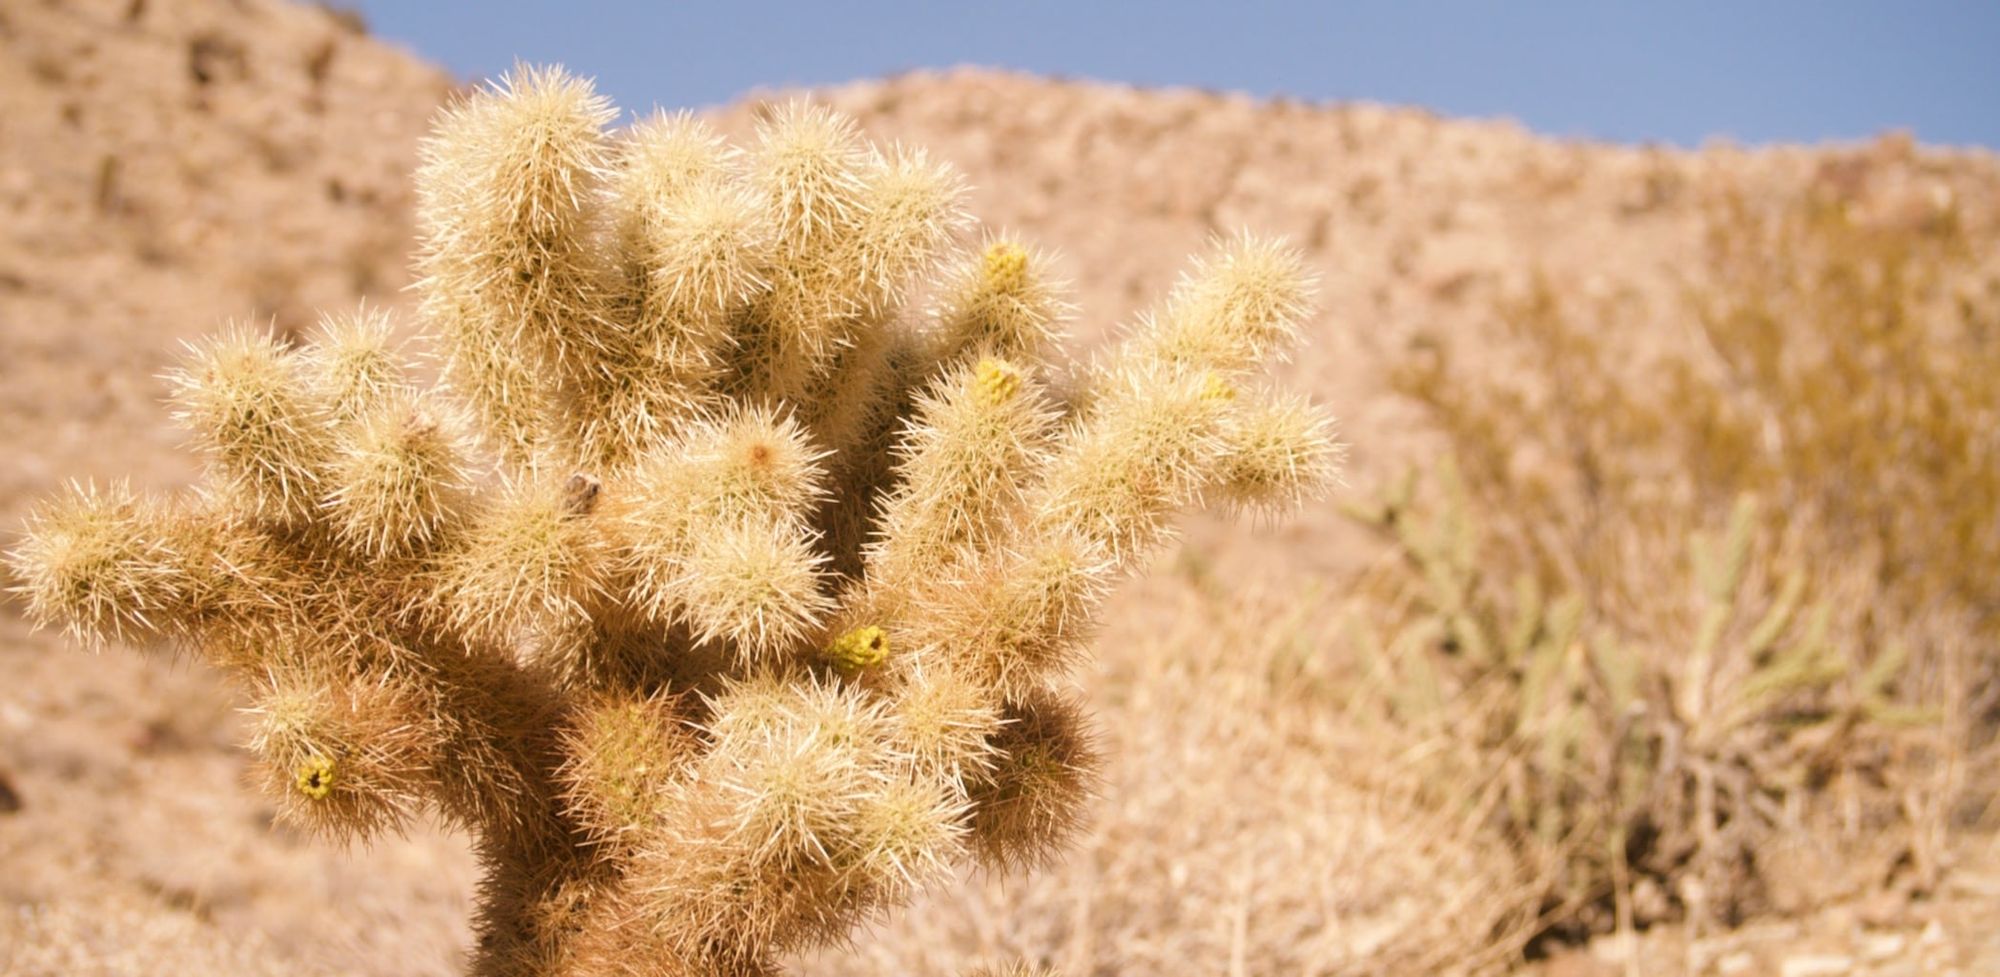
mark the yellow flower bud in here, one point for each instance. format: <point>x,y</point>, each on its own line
<point>316,777</point>
<point>860,648</point>
<point>1005,266</point>
<point>996,381</point>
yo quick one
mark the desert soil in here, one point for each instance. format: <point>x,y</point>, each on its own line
<point>170,165</point>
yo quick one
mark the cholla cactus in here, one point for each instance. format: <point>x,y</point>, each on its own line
<point>721,593</point>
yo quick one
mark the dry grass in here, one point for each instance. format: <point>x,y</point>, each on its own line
<point>1248,826</point>
<point>1705,625</point>
<point>105,939</point>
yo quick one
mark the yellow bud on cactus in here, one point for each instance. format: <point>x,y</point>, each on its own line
<point>996,380</point>
<point>316,776</point>
<point>1215,388</point>
<point>1005,266</point>
<point>1003,301</point>
<point>861,648</point>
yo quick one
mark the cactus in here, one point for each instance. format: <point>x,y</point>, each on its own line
<point>720,587</point>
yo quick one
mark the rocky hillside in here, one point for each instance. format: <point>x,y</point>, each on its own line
<point>166,165</point>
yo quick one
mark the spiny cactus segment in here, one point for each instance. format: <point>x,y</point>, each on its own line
<point>725,585</point>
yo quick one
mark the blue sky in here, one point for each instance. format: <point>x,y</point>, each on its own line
<point>1676,71</point>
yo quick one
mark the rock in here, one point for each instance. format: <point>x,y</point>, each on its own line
<point>1578,963</point>
<point>1883,946</point>
<point>1889,907</point>
<point>1816,965</point>
<point>1735,964</point>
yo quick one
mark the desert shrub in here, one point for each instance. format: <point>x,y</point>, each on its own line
<point>1685,608</point>
<point>723,588</point>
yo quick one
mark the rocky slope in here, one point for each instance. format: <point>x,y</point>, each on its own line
<point>166,165</point>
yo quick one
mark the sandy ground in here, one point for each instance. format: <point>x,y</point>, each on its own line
<point>169,165</point>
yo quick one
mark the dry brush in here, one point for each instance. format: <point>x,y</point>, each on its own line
<point>1712,633</point>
